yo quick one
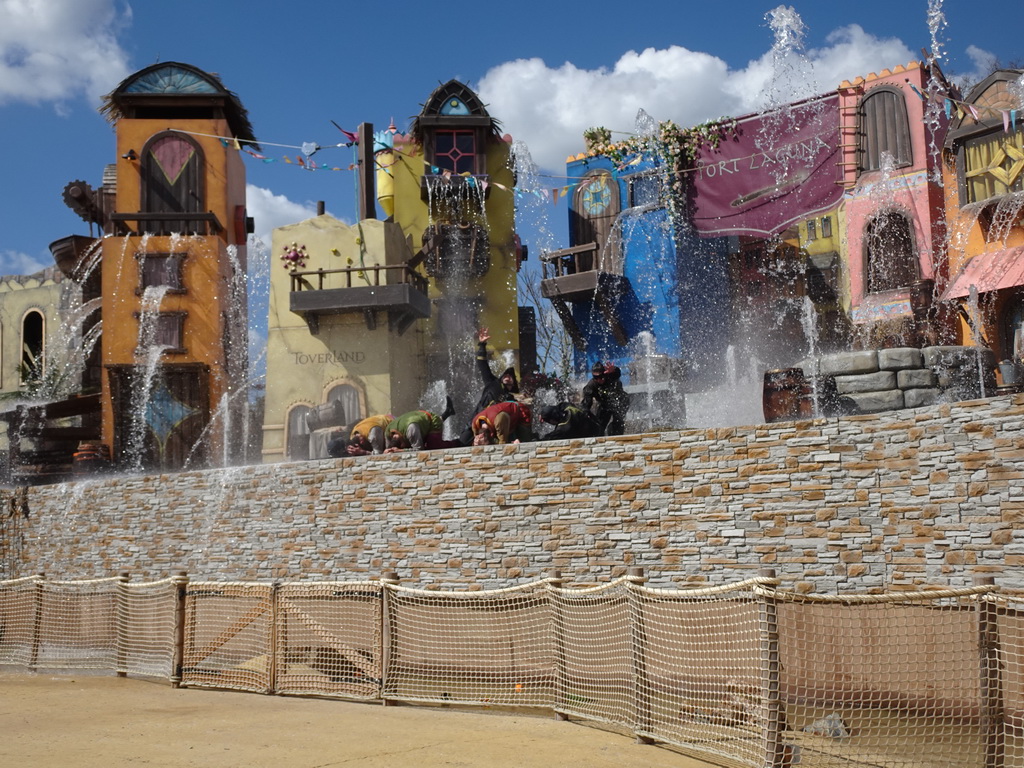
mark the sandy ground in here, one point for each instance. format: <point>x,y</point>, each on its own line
<point>49,721</point>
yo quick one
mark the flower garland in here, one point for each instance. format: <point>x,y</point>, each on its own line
<point>676,147</point>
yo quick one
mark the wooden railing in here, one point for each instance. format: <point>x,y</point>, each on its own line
<point>358,277</point>
<point>182,222</point>
<point>570,261</point>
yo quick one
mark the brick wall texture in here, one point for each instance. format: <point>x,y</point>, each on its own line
<point>929,496</point>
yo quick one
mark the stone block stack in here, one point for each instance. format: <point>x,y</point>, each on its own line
<point>874,381</point>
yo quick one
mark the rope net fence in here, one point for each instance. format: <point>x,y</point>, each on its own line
<point>99,624</point>
<point>743,674</point>
<point>1003,679</point>
<point>491,648</point>
<point>328,639</point>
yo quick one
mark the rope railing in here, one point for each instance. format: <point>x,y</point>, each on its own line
<point>747,674</point>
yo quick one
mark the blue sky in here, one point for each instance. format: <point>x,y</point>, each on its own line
<point>546,70</point>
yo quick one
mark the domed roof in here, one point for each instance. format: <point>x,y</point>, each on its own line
<point>172,82</point>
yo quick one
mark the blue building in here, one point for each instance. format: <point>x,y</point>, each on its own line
<point>636,286</point>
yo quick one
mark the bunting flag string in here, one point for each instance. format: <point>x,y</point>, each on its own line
<point>306,162</point>
<point>963,109</point>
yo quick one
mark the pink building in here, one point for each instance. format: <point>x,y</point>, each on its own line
<point>893,204</point>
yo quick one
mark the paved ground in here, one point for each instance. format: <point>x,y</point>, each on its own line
<point>49,721</point>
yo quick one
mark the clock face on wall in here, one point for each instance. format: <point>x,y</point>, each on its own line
<point>597,196</point>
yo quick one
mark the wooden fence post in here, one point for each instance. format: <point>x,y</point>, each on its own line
<point>37,619</point>
<point>771,728</point>
<point>180,581</point>
<point>638,647</point>
<point>555,582</point>
<point>274,618</point>
<point>387,632</point>
<point>991,672</point>
<point>121,620</point>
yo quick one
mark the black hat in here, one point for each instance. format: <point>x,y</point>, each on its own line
<point>515,381</point>
<point>551,414</point>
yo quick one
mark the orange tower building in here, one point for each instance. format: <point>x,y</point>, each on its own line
<point>173,362</point>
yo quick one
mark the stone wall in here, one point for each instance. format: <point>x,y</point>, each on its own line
<point>872,381</point>
<point>928,496</point>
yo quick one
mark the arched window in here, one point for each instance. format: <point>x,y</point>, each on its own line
<point>596,204</point>
<point>297,433</point>
<point>33,333</point>
<point>883,128</point>
<point>889,253</point>
<point>172,182</point>
<point>351,401</point>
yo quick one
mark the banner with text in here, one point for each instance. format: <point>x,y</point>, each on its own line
<point>776,169</point>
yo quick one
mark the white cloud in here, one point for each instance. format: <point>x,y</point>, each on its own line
<point>983,63</point>
<point>549,108</point>
<point>271,211</point>
<point>56,50</point>
<point>17,263</point>
<point>852,53</point>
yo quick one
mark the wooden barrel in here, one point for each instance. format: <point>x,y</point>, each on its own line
<point>807,404</point>
<point>330,414</point>
<point>783,390</point>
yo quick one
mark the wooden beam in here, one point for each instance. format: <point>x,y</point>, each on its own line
<point>367,185</point>
<point>608,307</point>
<point>565,315</point>
<point>70,434</point>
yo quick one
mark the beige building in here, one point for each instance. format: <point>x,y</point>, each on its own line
<point>382,316</point>
<point>42,354</point>
<point>343,301</point>
<point>30,325</point>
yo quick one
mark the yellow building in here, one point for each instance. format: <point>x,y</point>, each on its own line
<point>448,184</point>
<point>39,359</point>
<point>30,321</point>
<point>382,316</point>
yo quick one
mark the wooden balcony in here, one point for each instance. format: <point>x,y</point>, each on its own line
<point>393,288</point>
<point>574,275</point>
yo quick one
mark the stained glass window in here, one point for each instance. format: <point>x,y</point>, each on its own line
<point>455,151</point>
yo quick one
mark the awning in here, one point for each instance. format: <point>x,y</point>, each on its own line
<point>991,271</point>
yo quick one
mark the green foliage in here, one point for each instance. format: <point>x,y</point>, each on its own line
<point>597,137</point>
<point>675,147</point>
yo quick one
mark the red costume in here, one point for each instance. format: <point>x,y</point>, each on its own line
<point>505,420</point>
